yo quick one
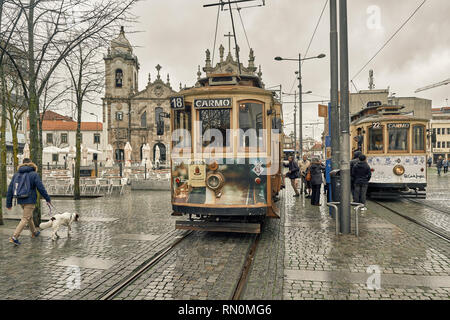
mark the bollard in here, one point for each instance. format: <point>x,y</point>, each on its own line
<point>358,209</point>
<point>335,206</point>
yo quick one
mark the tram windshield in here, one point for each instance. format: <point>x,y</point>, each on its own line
<point>398,138</point>
<point>251,125</point>
<point>419,138</point>
<point>182,125</point>
<point>376,139</point>
<point>216,125</point>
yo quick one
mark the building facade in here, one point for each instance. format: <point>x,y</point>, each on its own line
<point>60,131</point>
<point>440,127</point>
<point>130,115</point>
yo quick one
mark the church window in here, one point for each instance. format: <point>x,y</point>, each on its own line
<point>158,111</point>
<point>144,120</point>
<point>119,78</point>
<point>119,115</point>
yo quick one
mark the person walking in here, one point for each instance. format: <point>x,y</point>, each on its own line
<point>304,165</point>
<point>439,165</point>
<point>361,174</point>
<point>23,188</point>
<point>316,170</point>
<point>293,174</point>
<point>430,161</point>
<point>445,165</point>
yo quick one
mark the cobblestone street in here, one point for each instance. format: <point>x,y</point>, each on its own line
<point>298,257</point>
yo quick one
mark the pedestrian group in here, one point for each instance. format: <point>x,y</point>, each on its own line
<point>311,175</point>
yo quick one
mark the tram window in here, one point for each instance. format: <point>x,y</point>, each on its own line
<point>218,119</point>
<point>419,138</point>
<point>182,121</point>
<point>398,139</point>
<point>251,124</point>
<point>376,139</point>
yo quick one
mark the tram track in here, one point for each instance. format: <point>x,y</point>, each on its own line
<point>147,265</point>
<point>152,262</point>
<point>427,205</point>
<point>415,221</point>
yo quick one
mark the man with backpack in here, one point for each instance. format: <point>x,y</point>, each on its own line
<point>23,188</point>
<point>361,174</point>
<point>293,174</point>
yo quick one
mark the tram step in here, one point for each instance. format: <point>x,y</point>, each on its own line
<point>218,226</point>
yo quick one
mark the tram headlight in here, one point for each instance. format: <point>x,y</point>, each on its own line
<point>399,170</point>
<point>215,181</point>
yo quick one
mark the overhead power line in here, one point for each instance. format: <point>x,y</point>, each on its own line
<point>389,40</point>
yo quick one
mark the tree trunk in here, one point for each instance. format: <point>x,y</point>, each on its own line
<point>3,176</point>
<point>77,193</point>
<point>15,140</point>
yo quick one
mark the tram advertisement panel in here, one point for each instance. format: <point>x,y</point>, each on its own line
<point>232,182</point>
<point>397,169</point>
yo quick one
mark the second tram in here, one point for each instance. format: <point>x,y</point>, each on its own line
<point>395,146</point>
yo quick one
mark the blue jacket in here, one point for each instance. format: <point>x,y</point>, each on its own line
<point>35,183</point>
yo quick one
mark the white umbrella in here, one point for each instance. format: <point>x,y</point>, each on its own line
<point>26,151</point>
<point>109,156</point>
<point>84,154</point>
<point>89,150</point>
<point>146,156</point>
<point>128,151</point>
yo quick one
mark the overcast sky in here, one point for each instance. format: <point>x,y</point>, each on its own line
<point>176,33</point>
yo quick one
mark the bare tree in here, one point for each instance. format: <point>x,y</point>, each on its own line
<point>48,33</point>
<point>86,74</point>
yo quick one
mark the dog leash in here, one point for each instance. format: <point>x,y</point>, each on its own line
<point>50,206</point>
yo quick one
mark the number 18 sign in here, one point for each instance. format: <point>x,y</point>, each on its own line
<point>177,103</point>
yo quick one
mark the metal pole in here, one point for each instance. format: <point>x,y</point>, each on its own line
<point>300,117</point>
<point>334,114</point>
<point>295,125</point>
<point>344,122</point>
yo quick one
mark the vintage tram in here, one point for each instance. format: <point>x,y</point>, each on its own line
<point>395,145</point>
<point>226,152</point>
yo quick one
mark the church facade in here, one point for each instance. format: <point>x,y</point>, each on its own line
<point>131,115</point>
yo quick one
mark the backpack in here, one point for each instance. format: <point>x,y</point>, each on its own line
<point>21,186</point>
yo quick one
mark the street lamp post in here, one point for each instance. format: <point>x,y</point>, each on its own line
<point>320,56</point>
<point>295,122</point>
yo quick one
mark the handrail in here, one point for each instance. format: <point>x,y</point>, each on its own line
<point>335,206</point>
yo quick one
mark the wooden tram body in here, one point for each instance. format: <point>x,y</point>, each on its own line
<point>226,184</point>
<point>395,146</point>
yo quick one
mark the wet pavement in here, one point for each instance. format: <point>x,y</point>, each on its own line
<point>298,257</point>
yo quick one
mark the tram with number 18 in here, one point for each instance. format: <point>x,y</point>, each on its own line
<point>226,152</point>
<point>395,146</point>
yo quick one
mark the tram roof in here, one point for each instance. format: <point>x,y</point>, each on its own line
<point>390,117</point>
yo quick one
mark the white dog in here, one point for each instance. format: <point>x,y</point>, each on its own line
<point>55,222</point>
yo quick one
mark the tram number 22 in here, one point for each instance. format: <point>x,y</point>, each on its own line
<point>177,103</point>
<point>376,125</point>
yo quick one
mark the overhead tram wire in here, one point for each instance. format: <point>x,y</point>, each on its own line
<point>243,26</point>
<point>312,38</point>
<point>389,40</point>
<point>215,36</point>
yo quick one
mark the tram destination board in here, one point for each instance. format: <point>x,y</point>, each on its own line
<point>398,125</point>
<point>177,103</point>
<point>213,103</point>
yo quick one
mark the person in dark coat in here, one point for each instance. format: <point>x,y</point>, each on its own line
<point>354,161</point>
<point>293,174</point>
<point>361,175</point>
<point>430,161</point>
<point>316,169</point>
<point>439,165</point>
<point>28,170</point>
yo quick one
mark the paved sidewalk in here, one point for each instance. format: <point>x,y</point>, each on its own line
<point>414,264</point>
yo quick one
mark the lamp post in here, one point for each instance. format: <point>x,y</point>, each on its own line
<point>300,117</point>
<point>295,123</point>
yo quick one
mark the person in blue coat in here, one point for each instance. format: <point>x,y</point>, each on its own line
<point>28,174</point>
